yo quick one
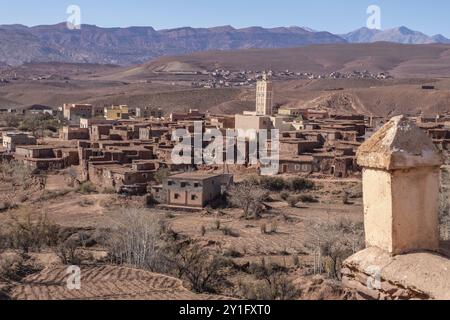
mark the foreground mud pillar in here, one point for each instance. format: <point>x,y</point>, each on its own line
<point>401,188</point>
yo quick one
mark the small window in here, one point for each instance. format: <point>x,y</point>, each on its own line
<point>194,197</point>
<point>196,185</point>
<point>170,183</point>
<point>183,184</point>
<point>177,196</point>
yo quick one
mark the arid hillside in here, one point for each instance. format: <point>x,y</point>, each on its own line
<point>55,93</point>
<point>381,98</point>
<point>162,83</point>
<point>400,60</point>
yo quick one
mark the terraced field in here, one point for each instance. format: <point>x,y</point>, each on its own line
<point>104,283</point>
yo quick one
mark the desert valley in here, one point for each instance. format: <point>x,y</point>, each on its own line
<point>88,179</point>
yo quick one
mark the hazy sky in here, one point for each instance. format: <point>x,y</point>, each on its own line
<point>338,16</point>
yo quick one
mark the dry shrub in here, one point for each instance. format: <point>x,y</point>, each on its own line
<point>203,231</point>
<point>285,196</point>
<point>308,199</point>
<point>249,197</point>
<point>20,181</point>
<point>231,232</point>
<point>331,242</point>
<point>263,228</point>
<point>444,204</point>
<point>87,188</point>
<point>232,253</point>
<point>293,201</point>
<point>273,227</point>
<point>300,184</point>
<point>273,283</point>
<point>161,175</point>
<point>14,267</point>
<point>144,241</point>
<point>52,195</point>
<point>30,235</point>
<point>137,240</point>
<point>204,271</point>
<point>346,199</point>
<point>273,183</point>
<point>296,261</point>
<point>69,253</point>
<point>86,203</point>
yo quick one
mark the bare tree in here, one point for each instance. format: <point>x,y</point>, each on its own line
<point>143,241</point>
<point>273,284</point>
<point>444,204</point>
<point>161,175</point>
<point>137,239</point>
<point>18,181</point>
<point>248,196</point>
<point>331,242</point>
<point>30,234</point>
<point>200,268</point>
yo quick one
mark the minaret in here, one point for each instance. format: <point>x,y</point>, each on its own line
<point>264,96</point>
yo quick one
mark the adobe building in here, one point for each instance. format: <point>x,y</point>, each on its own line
<point>404,258</point>
<point>73,133</point>
<point>249,122</point>
<point>192,115</point>
<point>194,189</point>
<point>223,122</point>
<point>133,178</point>
<point>86,123</point>
<point>13,139</point>
<point>149,112</point>
<point>47,158</point>
<point>117,112</point>
<point>298,165</point>
<point>75,112</point>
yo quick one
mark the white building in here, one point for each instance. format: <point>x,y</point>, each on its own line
<point>264,97</point>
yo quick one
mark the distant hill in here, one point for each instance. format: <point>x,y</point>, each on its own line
<point>397,35</point>
<point>432,60</point>
<point>126,46</point>
<point>135,45</point>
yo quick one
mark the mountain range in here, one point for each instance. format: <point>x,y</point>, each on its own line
<point>398,35</point>
<point>135,45</point>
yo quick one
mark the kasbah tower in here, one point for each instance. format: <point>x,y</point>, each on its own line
<point>264,96</point>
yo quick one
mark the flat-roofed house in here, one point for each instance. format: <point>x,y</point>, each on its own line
<point>117,112</point>
<point>75,112</point>
<point>194,189</point>
<point>13,139</point>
